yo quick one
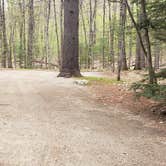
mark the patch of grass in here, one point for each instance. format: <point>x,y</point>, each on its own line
<point>101,80</point>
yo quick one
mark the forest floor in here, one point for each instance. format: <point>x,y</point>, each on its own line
<point>50,121</point>
<point>121,95</point>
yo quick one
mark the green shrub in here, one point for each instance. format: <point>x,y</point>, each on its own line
<point>155,91</point>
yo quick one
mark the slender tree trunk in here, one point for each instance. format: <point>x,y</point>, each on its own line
<point>138,55</point>
<point>70,58</point>
<point>143,59</point>
<point>152,78</point>
<point>1,55</point>
<point>130,43</point>
<point>110,29</point>
<point>94,32</point>
<point>157,56</point>
<point>123,46</point>
<point>56,31</point>
<point>85,32</point>
<point>112,33</point>
<point>90,51</point>
<point>122,63</point>
<point>21,35</point>
<point>5,57</point>
<point>12,46</point>
<point>61,29</point>
<point>113,36</point>
<point>11,40</point>
<point>94,22</point>
<point>103,49</point>
<point>138,58</point>
<point>30,34</point>
<point>24,35</point>
<point>47,19</point>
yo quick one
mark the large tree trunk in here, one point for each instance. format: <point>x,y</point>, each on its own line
<point>70,58</point>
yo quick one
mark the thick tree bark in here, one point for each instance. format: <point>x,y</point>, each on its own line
<point>70,58</point>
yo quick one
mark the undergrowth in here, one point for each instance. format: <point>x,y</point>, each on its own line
<point>154,91</point>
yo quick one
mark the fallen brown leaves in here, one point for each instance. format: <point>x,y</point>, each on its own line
<point>121,96</point>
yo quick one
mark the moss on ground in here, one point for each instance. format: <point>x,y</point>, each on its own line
<point>101,80</point>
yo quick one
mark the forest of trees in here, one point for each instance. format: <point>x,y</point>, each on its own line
<point>112,34</point>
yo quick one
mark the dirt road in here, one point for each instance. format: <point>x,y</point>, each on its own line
<point>49,121</point>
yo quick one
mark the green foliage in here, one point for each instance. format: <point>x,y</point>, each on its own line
<point>154,91</point>
<point>157,15</point>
